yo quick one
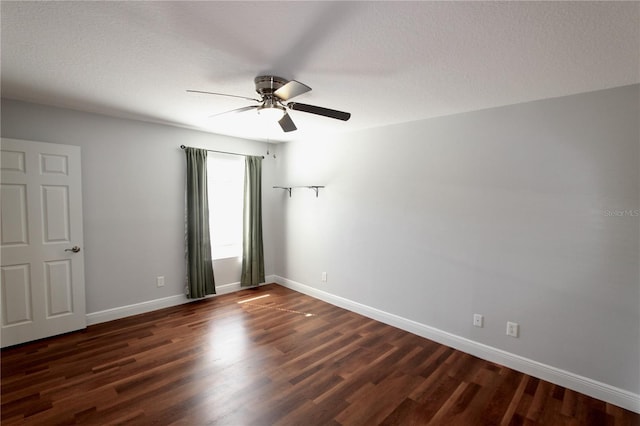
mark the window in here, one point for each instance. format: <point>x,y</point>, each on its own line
<point>226,191</point>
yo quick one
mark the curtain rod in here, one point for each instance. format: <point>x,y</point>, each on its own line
<point>223,152</point>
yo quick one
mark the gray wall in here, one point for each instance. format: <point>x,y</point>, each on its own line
<point>133,176</point>
<point>526,213</point>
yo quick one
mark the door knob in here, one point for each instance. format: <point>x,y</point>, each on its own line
<point>74,249</point>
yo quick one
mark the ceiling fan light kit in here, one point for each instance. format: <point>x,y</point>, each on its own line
<point>271,110</point>
<point>274,91</point>
<point>271,113</point>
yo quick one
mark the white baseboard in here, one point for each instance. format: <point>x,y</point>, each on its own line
<point>585,385</point>
<point>135,309</point>
<point>152,305</point>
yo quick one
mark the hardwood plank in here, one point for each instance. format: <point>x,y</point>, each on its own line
<point>515,400</point>
<point>285,359</point>
<point>407,413</point>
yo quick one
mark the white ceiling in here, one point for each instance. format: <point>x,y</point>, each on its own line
<point>385,62</point>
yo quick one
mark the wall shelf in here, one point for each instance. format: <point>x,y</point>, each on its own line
<point>289,188</point>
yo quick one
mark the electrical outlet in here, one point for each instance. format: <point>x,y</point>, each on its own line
<point>324,277</point>
<point>513,329</point>
<point>160,281</point>
<point>478,320</point>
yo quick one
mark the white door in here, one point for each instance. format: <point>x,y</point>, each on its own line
<point>40,241</point>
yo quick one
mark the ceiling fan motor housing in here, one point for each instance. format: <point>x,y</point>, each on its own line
<point>267,84</point>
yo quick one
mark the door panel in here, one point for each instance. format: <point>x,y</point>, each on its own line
<point>59,289</point>
<point>14,214</point>
<point>16,288</point>
<point>41,219</point>
<point>55,211</point>
<point>13,161</point>
<point>54,164</point>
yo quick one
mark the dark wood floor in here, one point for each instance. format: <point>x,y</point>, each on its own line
<point>285,359</point>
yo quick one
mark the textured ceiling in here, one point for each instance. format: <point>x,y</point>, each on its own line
<point>385,62</point>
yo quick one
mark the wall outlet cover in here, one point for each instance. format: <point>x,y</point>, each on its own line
<point>478,320</point>
<point>513,329</point>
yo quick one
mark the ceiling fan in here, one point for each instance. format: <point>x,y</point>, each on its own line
<point>274,92</point>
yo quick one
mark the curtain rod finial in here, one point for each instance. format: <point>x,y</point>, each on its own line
<point>183,147</point>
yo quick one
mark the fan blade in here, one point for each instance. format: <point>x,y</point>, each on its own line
<point>287,123</point>
<point>331,113</point>
<point>224,94</point>
<point>291,90</point>
<point>243,109</point>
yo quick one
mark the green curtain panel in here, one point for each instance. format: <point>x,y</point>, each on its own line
<point>252,250</point>
<point>200,281</point>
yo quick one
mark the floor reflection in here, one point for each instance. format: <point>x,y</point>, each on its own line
<point>251,302</point>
